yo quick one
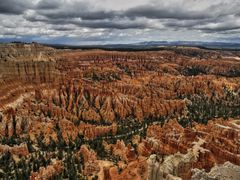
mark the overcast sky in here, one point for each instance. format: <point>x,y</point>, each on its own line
<point>119,21</point>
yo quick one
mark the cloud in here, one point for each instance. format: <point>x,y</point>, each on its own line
<point>120,20</point>
<point>63,28</point>
<point>71,9</point>
<point>222,24</point>
<point>111,24</point>
<point>155,12</point>
<point>14,6</point>
<point>219,27</point>
<point>46,4</point>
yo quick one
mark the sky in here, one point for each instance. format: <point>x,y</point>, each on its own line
<point>80,22</point>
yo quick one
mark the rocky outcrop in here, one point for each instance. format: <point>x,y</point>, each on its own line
<point>28,62</point>
<point>92,131</point>
<point>28,71</point>
<point>176,165</point>
<point>49,172</point>
<point>30,52</point>
<point>226,171</point>
<point>136,170</point>
<point>126,153</point>
<point>90,161</point>
<point>24,67</point>
<point>21,149</point>
<point>220,141</point>
<point>43,131</point>
<point>69,131</point>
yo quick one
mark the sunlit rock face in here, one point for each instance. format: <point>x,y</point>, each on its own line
<point>48,172</point>
<point>221,172</point>
<point>118,115</point>
<point>212,147</point>
<point>29,62</point>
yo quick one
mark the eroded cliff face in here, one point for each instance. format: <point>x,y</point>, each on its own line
<point>23,68</point>
<point>29,62</point>
<point>104,114</point>
<point>221,172</point>
<point>180,165</point>
<point>218,143</point>
<point>28,71</point>
<point>175,165</point>
<point>26,52</point>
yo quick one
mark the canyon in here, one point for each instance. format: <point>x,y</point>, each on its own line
<point>172,113</point>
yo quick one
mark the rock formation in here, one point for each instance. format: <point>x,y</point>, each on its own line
<point>226,171</point>
<point>21,149</point>
<point>103,114</point>
<point>174,165</point>
<point>90,161</point>
<point>49,172</point>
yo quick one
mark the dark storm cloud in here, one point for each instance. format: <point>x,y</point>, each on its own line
<point>184,23</point>
<point>77,9</point>
<point>183,11</point>
<point>63,28</point>
<point>14,6</point>
<point>86,12</point>
<point>220,28</point>
<point>151,11</point>
<point>94,24</point>
<point>112,25</point>
<point>46,4</point>
<point>171,16</point>
<point>83,14</point>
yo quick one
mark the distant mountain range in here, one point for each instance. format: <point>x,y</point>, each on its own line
<point>153,45</point>
<point>192,43</point>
